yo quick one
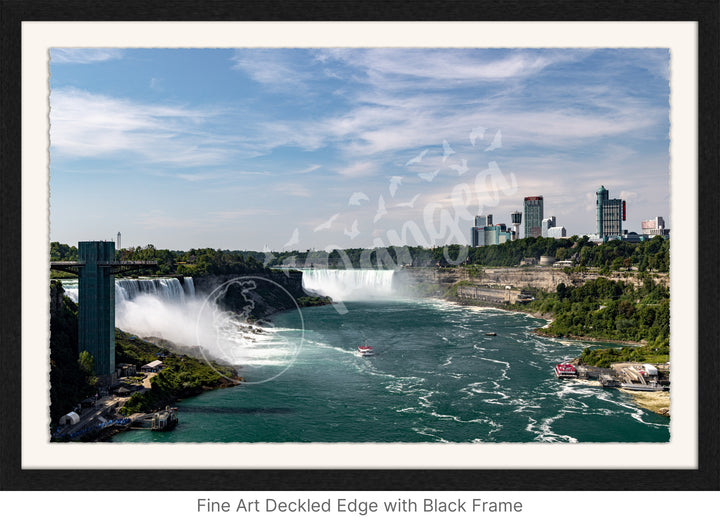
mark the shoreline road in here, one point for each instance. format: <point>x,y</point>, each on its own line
<point>146,380</point>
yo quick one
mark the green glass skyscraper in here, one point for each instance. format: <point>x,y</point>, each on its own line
<point>610,214</point>
<point>533,216</point>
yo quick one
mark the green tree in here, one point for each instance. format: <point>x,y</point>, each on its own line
<point>86,362</point>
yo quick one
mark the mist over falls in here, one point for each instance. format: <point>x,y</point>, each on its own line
<point>168,309</point>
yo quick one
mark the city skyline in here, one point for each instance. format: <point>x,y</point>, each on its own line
<point>291,149</point>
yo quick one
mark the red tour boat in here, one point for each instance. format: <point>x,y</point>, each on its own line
<point>366,351</point>
<point>565,370</point>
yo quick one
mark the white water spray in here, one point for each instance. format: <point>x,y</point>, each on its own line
<point>171,310</point>
<point>347,285</point>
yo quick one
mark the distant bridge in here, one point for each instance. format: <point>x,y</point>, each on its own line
<point>115,266</point>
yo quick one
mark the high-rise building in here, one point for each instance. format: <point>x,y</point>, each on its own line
<point>483,221</point>
<point>548,223</point>
<point>477,238</point>
<point>119,245</point>
<point>533,216</point>
<point>610,214</point>
<point>485,233</point>
<point>476,232</point>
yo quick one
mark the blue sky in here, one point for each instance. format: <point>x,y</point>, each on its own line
<point>285,149</point>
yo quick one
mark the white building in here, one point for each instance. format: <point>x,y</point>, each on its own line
<point>152,367</point>
<point>556,232</point>
<point>547,224</point>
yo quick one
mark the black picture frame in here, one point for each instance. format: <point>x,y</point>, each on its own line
<point>705,477</point>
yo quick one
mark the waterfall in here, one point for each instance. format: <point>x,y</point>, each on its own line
<point>169,289</point>
<point>353,284</point>
<point>169,309</point>
<point>71,288</point>
<point>160,307</point>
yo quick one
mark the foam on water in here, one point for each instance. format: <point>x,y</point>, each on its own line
<point>544,432</point>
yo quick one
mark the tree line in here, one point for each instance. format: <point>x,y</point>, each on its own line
<point>605,309</point>
<point>608,309</point>
<point>614,255</point>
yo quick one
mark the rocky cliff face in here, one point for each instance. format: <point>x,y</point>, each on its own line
<point>256,296</point>
<point>517,278</point>
<point>56,298</point>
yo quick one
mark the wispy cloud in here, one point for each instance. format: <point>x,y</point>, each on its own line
<point>392,124</point>
<point>84,55</point>
<point>470,65</point>
<point>231,215</point>
<point>87,125</point>
<point>390,69</point>
<point>292,189</point>
<point>91,125</point>
<point>311,168</point>
<point>287,71</point>
<point>358,169</point>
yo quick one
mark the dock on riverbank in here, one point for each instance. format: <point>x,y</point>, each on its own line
<point>655,401</point>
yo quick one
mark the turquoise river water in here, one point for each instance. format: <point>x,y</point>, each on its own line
<point>436,377</point>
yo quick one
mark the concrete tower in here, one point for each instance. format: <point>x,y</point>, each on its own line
<point>96,305</point>
<point>96,269</point>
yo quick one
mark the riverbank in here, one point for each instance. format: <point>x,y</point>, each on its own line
<point>543,316</point>
<point>184,371</point>
<point>656,402</point>
<point>584,338</point>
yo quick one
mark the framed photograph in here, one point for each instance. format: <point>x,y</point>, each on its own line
<point>320,246</point>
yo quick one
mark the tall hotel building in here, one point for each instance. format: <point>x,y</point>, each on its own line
<point>477,232</point>
<point>533,216</point>
<point>485,233</point>
<point>610,214</point>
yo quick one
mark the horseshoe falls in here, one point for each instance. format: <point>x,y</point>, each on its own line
<point>353,284</point>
